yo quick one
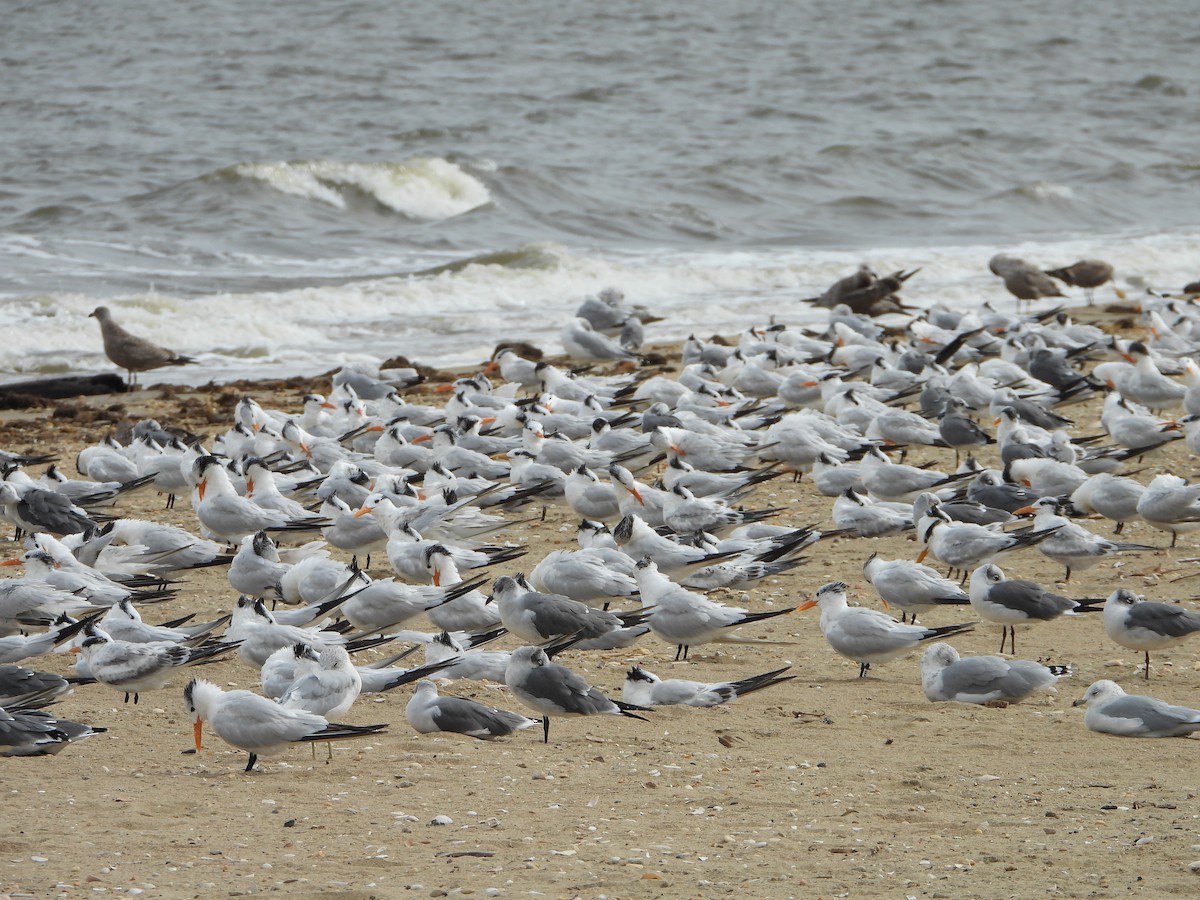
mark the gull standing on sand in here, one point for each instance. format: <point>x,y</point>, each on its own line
<point>867,635</point>
<point>1140,624</point>
<point>555,690</point>
<point>1012,602</point>
<point>429,713</point>
<point>647,689</point>
<point>1169,503</point>
<point>984,679</point>
<point>1071,545</point>
<point>1111,711</point>
<point>257,725</point>
<point>130,352</point>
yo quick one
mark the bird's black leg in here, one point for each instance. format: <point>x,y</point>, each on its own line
<point>1174,537</point>
<point>1120,527</point>
<point>127,696</point>
<point>545,729</point>
<point>135,698</point>
<point>862,669</point>
<point>1147,665</point>
<point>250,764</point>
<point>678,651</point>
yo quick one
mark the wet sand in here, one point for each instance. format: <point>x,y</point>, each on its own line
<point>828,785</point>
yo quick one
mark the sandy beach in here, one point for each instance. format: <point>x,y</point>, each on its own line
<point>826,786</point>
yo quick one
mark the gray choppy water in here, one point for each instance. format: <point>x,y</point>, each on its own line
<point>212,160</point>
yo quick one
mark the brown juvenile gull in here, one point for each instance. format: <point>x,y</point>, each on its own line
<point>1088,274</point>
<point>130,352</point>
<point>1023,281</point>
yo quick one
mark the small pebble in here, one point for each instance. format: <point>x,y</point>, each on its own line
<point>441,820</point>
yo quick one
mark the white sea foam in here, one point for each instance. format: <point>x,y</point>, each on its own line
<point>457,317</point>
<point>422,188</point>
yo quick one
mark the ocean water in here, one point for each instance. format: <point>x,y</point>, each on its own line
<point>281,189</point>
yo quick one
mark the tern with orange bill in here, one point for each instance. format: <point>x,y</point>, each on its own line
<point>257,725</point>
<point>867,635</point>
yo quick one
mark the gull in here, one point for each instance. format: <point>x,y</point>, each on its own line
<point>257,725</point>
<point>1140,624</point>
<point>911,586</point>
<point>990,489</point>
<point>1088,274</point>
<point>1012,602</point>
<point>647,689</point>
<point>552,690</point>
<point>1111,711</point>
<point>130,352</point>
<point>133,668</point>
<point>959,430</point>
<point>536,617</point>
<point>1069,544</point>
<point>22,688</point>
<point>429,713</point>
<point>458,659</point>
<point>31,732</point>
<point>984,679</point>
<point>682,617</point>
<point>1022,280</point>
<point>867,635</point>
<point>1111,496</point>
<point>32,509</point>
<point>1171,504</point>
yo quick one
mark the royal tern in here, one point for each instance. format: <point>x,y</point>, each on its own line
<point>328,685</point>
<point>857,513</point>
<point>257,725</point>
<point>647,689</point>
<point>1111,711</point>
<point>133,668</point>
<point>682,617</point>
<point>1140,624</point>
<point>910,586</point>
<point>867,635</point>
<point>983,679</point>
<point>1070,544</point>
<point>27,732</point>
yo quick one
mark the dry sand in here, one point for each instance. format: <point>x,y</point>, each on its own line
<point>826,786</point>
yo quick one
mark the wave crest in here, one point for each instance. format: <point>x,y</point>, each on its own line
<point>421,188</point>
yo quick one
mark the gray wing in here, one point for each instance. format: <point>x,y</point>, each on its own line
<point>1161,618</point>
<point>1155,715</point>
<point>1030,598</point>
<point>554,616</point>
<point>558,687</point>
<point>464,716</point>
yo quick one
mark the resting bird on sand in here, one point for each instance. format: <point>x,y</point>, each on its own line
<point>130,352</point>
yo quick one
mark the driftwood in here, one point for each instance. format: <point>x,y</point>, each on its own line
<point>65,386</point>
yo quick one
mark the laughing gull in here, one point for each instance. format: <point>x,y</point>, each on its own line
<point>1012,602</point>
<point>983,679</point>
<point>429,713</point>
<point>1111,711</point>
<point>1140,624</point>
<point>555,690</point>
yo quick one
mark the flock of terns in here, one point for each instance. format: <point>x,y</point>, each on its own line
<point>661,472</point>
